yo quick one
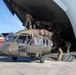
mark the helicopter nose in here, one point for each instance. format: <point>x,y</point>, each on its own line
<point>5,52</point>
<point>4,49</point>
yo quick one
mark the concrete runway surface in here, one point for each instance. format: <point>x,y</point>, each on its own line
<point>25,67</point>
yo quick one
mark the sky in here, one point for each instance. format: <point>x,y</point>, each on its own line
<point>8,22</point>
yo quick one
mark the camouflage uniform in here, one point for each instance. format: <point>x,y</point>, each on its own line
<point>60,54</point>
<point>28,22</point>
<point>68,45</point>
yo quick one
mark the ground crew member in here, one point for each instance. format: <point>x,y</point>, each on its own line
<point>28,22</point>
<point>60,54</point>
<point>68,45</point>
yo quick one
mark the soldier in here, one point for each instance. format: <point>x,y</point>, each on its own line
<point>60,54</point>
<point>68,45</point>
<point>28,22</point>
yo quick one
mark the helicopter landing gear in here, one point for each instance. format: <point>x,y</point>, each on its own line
<point>42,58</point>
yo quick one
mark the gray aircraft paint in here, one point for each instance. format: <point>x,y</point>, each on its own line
<point>69,7</point>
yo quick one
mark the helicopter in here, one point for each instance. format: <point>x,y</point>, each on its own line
<point>1,39</point>
<point>28,43</point>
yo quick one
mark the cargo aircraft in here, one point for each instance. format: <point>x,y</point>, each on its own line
<point>52,11</point>
<point>46,11</point>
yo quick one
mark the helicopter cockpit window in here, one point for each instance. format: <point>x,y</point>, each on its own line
<point>8,37</point>
<point>22,39</point>
<point>29,39</point>
<point>13,38</point>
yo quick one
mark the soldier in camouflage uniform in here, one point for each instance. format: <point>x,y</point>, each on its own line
<point>68,45</point>
<point>28,22</point>
<point>60,54</point>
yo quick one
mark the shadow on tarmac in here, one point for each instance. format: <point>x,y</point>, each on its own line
<point>52,57</point>
<point>20,59</point>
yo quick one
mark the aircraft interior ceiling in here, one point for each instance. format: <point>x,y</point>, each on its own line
<point>46,10</point>
<point>43,10</point>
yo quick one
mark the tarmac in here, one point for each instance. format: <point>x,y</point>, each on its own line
<point>25,67</point>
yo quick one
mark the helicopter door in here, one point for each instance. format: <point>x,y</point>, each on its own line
<point>35,45</point>
<point>21,42</point>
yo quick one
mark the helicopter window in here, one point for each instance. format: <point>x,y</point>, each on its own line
<point>33,41</point>
<point>8,37</point>
<point>39,40</point>
<point>36,41</point>
<point>22,39</point>
<point>45,42</point>
<point>28,39</point>
<point>13,38</point>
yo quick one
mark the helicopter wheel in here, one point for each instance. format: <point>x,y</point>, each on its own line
<point>41,58</point>
<point>14,58</point>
